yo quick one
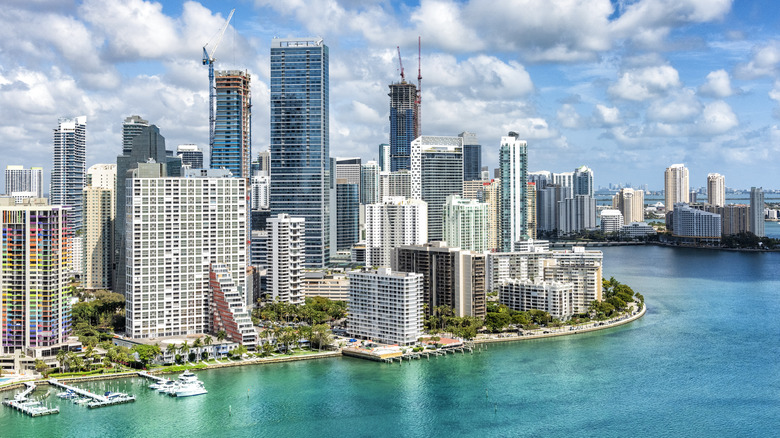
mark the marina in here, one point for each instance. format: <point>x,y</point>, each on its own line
<point>33,408</point>
<point>99,401</point>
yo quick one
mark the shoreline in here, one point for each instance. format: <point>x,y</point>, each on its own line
<point>323,355</point>
<point>516,338</point>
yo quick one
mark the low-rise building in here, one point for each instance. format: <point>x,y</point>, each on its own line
<point>549,296</point>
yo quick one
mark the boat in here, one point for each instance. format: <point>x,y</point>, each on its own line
<point>188,376</point>
<point>189,389</point>
<point>166,386</point>
<point>69,394</point>
<point>81,401</point>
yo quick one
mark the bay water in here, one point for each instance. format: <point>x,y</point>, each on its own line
<point>703,361</point>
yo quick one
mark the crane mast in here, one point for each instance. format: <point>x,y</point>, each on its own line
<point>208,59</point>
<point>401,63</point>
<point>419,86</point>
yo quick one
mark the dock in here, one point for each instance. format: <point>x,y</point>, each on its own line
<point>149,376</point>
<point>99,400</point>
<point>30,407</point>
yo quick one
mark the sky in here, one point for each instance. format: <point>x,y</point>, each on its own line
<point>626,87</point>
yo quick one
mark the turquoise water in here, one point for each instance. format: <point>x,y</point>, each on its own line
<point>702,362</point>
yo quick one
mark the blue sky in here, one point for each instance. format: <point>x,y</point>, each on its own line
<point>625,87</point>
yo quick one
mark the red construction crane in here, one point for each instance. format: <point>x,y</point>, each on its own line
<point>401,63</point>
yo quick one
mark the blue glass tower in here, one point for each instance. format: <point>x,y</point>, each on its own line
<point>404,124</point>
<point>233,124</point>
<point>347,214</point>
<point>300,165</point>
<point>472,157</point>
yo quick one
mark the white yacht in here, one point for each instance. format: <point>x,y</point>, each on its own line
<point>187,385</point>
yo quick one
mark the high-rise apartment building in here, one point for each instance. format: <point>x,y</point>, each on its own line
<point>369,183</point>
<point>131,127</point>
<point>385,306</point>
<point>716,189</point>
<point>286,258</point>
<point>548,208</point>
<point>631,204</point>
<point>191,155</point>
<point>472,157</point>
<point>466,224</point>
<point>34,277</point>
<point>676,188</point>
<point>757,211</point>
<point>348,169</point>
<point>692,223</point>
<point>541,178</point>
<point>437,172</point>
<point>577,214</point>
<point>99,219</point>
<point>453,277</point>
<point>404,124</point>
<point>531,210</point>
<point>232,149</point>
<point>395,184</point>
<point>393,222</point>
<point>176,228</point>
<point>513,164</point>
<point>492,197</point>
<point>69,168</point>
<point>565,180</point>
<point>384,157</point>
<point>21,180</point>
<point>261,185</point>
<point>611,221</point>
<point>582,181</point>
<point>300,164</point>
<point>347,214</point>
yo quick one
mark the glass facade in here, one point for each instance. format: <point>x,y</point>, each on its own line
<point>68,174</point>
<point>347,215</point>
<point>300,165</point>
<point>404,126</point>
<point>233,124</point>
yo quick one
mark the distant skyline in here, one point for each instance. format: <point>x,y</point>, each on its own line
<point>627,88</point>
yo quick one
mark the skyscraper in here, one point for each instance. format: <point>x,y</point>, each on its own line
<point>233,125</point>
<point>472,156</point>
<point>513,162</point>
<point>393,222</point>
<point>21,180</point>
<point>404,123</point>
<point>757,211</point>
<point>384,157</point>
<point>466,224</point>
<point>437,172</point>
<point>347,214</point>
<point>286,248</point>
<point>190,155</point>
<point>676,187</point>
<point>369,183</point>
<point>69,169</point>
<point>631,204</point>
<point>33,276</point>
<point>131,127</point>
<point>716,189</point>
<point>300,164</point>
<point>99,219</point>
<point>582,181</point>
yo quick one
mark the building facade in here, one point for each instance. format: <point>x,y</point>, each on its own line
<point>549,296</point>
<point>394,222</point>
<point>177,227</point>
<point>513,164</point>
<point>404,124</point>
<point>577,214</point>
<point>676,187</point>
<point>99,219</point>
<point>34,277</point>
<point>21,180</point>
<point>385,306</point>
<point>472,157</point>
<point>692,223</point>
<point>191,155</point>
<point>582,181</point>
<point>286,257</point>
<point>631,204</point>
<point>347,214</point>
<point>466,224</point>
<point>228,308</point>
<point>437,172</point>
<point>300,148</point>
<point>232,149</point>
<point>369,183</point>
<point>757,211</point>
<point>611,221</point>
<point>68,173</point>
<point>716,189</point>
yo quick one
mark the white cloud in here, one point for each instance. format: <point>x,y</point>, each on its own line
<point>645,83</point>
<point>718,85</point>
<point>716,118</point>
<point>568,117</point>
<point>606,116</point>
<point>764,62</point>
<point>679,107</point>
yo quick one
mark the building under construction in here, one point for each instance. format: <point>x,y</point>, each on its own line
<point>232,127</point>
<point>404,123</point>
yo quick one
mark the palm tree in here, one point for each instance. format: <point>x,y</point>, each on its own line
<point>184,350</point>
<point>207,341</point>
<point>197,344</point>
<point>306,333</point>
<point>221,335</point>
<point>61,355</point>
<point>171,349</point>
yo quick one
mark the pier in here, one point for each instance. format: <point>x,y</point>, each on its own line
<point>99,400</point>
<point>149,376</point>
<point>30,407</point>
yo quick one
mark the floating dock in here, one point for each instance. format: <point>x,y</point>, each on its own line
<point>149,376</point>
<point>30,407</point>
<point>99,400</point>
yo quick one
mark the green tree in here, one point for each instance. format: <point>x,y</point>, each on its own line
<point>496,321</point>
<point>42,368</point>
<point>221,335</point>
<point>146,353</point>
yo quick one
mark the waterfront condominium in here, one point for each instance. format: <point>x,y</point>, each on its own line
<point>577,214</point>
<point>21,182</point>
<point>631,204</point>
<point>99,219</point>
<point>191,155</point>
<point>232,149</point>
<point>404,124</point>
<point>466,223</point>
<point>69,168</point>
<point>393,222</point>
<point>695,224</point>
<point>437,172</point>
<point>611,221</point>
<point>454,278</point>
<point>300,164</point>
<point>582,181</point>
<point>757,211</point>
<point>531,209</point>
<point>513,165</point>
<point>228,308</point>
<point>472,157</point>
<point>676,188</point>
<point>716,189</point>
<point>176,228</point>
<point>385,306</point>
<point>34,281</point>
<point>286,258</point>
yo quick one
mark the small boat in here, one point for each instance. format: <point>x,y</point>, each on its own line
<point>81,401</point>
<point>190,389</point>
<point>166,386</point>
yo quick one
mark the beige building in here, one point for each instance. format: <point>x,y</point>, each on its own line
<point>716,189</point>
<point>333,286</point>
<point>99,218</point>
<point>631,204</point>
<point>492,193</point>
<point>676,186</point>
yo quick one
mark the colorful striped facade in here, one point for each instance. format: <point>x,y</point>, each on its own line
<point>34,279</point>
